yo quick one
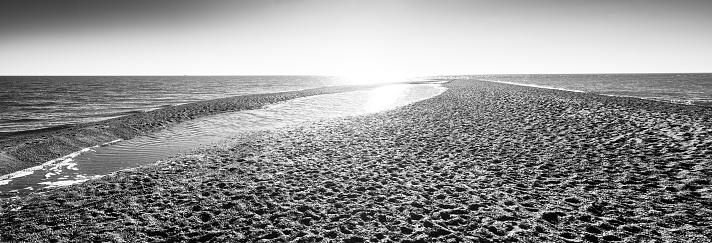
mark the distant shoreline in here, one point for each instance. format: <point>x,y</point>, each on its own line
<point>705,104</point>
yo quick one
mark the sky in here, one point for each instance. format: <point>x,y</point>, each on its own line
<point>353,37</point>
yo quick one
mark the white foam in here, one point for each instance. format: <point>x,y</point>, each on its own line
<point>53,166</point>
<point>18,174</point>
<point>50,184</point>
<point>72,166</point>
<point>64,182</point>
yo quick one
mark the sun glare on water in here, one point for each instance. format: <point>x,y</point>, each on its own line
<point>383,98</point>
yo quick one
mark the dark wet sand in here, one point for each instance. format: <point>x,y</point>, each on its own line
<point>481,162</point>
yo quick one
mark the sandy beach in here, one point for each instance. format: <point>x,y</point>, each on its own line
<point>483,162</point>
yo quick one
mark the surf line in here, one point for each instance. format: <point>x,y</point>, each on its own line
<point>52,165</point>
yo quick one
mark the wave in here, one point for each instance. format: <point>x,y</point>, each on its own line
<point>55,165</point>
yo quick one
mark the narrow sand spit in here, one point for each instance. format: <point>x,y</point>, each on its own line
<point>24,150</point>
<point>481,162</point>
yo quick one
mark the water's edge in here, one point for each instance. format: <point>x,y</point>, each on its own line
<point>668,101</point>
<point>192,134</point>
<point>34,148</point>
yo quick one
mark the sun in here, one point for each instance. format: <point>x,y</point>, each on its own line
<point>365,62</point>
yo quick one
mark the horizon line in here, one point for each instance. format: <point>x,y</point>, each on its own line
<point>325,75</point>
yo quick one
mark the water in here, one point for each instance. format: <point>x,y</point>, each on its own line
<point>684,88</point>
<point>117,155</point>
<point>30,103</point>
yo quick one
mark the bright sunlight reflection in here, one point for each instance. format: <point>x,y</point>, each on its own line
<point>384,97</point>
<point>378,78</point>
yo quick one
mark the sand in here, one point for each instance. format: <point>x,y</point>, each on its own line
<point>481,162</point>
<point>26,149</point>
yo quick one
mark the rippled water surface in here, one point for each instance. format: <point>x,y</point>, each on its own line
<point>29,103</point>
<point>103,159</point>
<point>685,88</point>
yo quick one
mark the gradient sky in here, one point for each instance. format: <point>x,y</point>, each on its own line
<point>353,37</point>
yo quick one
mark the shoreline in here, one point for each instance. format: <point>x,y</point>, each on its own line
<point>705,103</point>
<point>22,150</point>
<point>483,161</point>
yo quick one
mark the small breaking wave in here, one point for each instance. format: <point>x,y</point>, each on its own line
<point>55,166</point>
